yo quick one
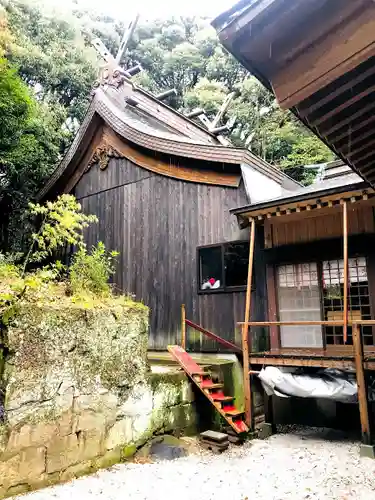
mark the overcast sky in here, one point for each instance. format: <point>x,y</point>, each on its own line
<point>125,9</point>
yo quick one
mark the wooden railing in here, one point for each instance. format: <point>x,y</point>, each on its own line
<point>308,323</point>
<point>186,322</point>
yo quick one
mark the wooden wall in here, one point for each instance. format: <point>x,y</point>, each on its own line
<point>156,223</point>
<point>318,226</point>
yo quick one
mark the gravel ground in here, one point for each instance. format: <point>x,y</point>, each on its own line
<point>307,464</point>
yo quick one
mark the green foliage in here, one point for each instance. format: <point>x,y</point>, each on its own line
<point>62,224</point>
<point>207,94</point>
<point>90,272</point>
<point>44,84</point>
<point>51,54</point>
<point>15,108</point>
<point>48,69</point>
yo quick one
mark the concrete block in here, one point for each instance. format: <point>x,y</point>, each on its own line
<point>367,450</point>
<point>32,464</point>
<point>18,489</point>
<point>265,430</point>
<point>9,470</point>
<point>110,458</point>
<point>63,452</point>
<point>31,435</point>
<point>140,402</point>
<point>91,444</point>
<point>120,434</point>
<point>77,470</point>
<point>89,420</point>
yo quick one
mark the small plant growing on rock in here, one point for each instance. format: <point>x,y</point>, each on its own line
<point>60,223</point>
<point>90,272</point>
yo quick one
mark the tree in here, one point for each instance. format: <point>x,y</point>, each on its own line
<point>49,67</point>
<point>30,141</point>
<point>51,55</point>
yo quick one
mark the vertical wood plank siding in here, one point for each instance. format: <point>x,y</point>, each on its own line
<point>360,220</point>
<point>156,223</point>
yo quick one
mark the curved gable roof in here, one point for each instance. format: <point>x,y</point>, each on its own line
<point>135,117</point>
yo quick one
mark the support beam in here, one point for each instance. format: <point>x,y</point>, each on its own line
<point>352,118</point>
<point>359,149</point>
<point>361,384</point>
<point>345,242</point>
<point>102,50</point>
<point>165,94</point>
<point>134,70</point>
<point>350,130</point>
<point>219,130</point>
<point>368,168</point>
<point>183,327</point>
<point>222,110</point>
<point>126,39</point>
<point>245,332</point>
<point>306,111</point>
<point>341,107</point>
<point>362,157</point>
<point>348,146</point>
<point>196,112</point>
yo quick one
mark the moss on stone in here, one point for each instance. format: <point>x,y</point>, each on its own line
<point>112,457</point>
<point>78,470</point>
<point>156,379</point>
<point>17,490</point>
<point>128,451</point>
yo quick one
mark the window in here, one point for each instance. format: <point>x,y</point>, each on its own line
<point>211,268</point>
<point>358,299</point>
<point>299,300</point>
<point>315,291</point>
<point>223,267</point>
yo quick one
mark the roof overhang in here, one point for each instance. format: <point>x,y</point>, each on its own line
<point>318,57</point>
<point>318,200</point>
<point>103,111</point>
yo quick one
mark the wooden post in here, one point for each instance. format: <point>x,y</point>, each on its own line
<point>245,331</point>
<point>183,327</point>
<point>345,237</point>
<point>361,384</point>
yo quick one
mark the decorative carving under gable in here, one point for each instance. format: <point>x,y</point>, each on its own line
<point>110,75</point>
<point>102,154</point>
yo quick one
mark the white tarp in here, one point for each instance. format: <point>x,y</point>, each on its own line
<point>330,384</point>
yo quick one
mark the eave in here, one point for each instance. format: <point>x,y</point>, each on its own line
<point>319,60</point>
<point>103,111</point>
<point>304,202</point>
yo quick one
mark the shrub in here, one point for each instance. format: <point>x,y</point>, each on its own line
<point>90,272</point>
<point>62,222</point>
<point>8,268</point>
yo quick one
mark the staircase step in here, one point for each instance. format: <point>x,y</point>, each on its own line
<point>221,398</point>
<point>233,413</point>
<point>202,373</point>
<point>211,385</point>
<point>240,426</point>
<point>218,437</point>
<point>213,390</point>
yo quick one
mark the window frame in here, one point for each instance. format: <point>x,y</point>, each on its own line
<point>224,288</point>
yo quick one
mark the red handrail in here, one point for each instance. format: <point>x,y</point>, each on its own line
<point>213,336</point>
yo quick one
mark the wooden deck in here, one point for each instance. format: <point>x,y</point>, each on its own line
<point>335,358</point>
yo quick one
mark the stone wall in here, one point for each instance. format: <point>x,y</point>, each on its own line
<point>79,395</point>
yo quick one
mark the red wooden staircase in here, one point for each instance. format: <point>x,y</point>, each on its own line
<point>212,390</point>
